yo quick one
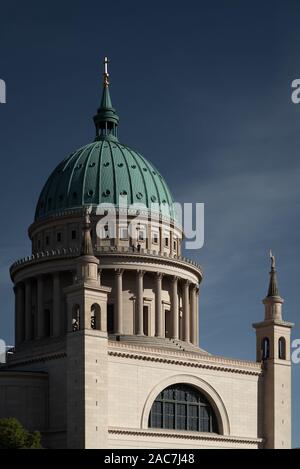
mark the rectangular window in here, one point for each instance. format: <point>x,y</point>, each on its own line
<point>123,232</point>
<point>166,238</point>
<point>74,234</point>
<point>155,237</point>
<point>146,319</point>
<point>58,237</point>
<point>168,324</point>
<point>47,240</point>
<point>142,233</point>
<point>174,245</point>
<point>110,318</point>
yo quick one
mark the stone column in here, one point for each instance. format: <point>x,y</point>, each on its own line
<point>119,300</point>
<point>28,310</point>
<point>19,313</point>
<point>193,330</point>
<point>186,311</point>
<point>174,307</point>
<point>56,313</point>
<point>40,308</point>
<point>140,302</point>
<point>158,305</point>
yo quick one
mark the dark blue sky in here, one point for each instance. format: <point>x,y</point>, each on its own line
<point>203,91</point>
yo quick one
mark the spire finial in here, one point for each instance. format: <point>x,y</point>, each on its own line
<point>106,120</point>
<point>272,257</point>
<point>273,285</point>
<point>106,74</point>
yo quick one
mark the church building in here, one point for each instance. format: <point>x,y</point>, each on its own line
<point>107,351</point>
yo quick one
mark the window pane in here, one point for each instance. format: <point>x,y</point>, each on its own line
<point>204,425</point>
<point>181,416</point>
<point>156,412</point>
<point>169,415</point>
<point>193,417</point>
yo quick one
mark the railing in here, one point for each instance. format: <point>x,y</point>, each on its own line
<point>129,250</point>
<point>63,252</point>
<point>132,250</point>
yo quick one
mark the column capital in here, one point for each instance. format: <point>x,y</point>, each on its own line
<point>141,273</point>
<point>159,275</point>
<point>174,278</point>
<point>119,271</point>
<point>186,283</point>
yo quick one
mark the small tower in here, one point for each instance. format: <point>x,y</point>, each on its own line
<point>273,341</point>
<point>87,351</point>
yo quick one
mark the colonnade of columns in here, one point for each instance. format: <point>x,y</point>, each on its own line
<point>30,312</point>
<point>31,319</point>
<point>188,314</point>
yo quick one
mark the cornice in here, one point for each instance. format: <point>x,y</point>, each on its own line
<point>190,359</point>
<point>184,435</point>
<point>38,359</point>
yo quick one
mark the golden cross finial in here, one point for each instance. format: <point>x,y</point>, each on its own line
<point>106,74</point>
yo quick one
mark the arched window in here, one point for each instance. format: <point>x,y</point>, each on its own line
<point>183,407</point>
<point>76,318</point>
<point>96,317</point>
<point>282,348</point>
<point>265,348</point>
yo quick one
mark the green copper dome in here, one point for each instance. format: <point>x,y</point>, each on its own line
<point>99,173</point>
<point>102,171</point>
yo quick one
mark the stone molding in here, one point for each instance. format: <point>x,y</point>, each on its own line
<point>189,359</point>
<point>126,255</point>
<point>184,435</point>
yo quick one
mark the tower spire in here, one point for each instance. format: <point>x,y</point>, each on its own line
<point>106,120</point>
<point>273,302</point>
